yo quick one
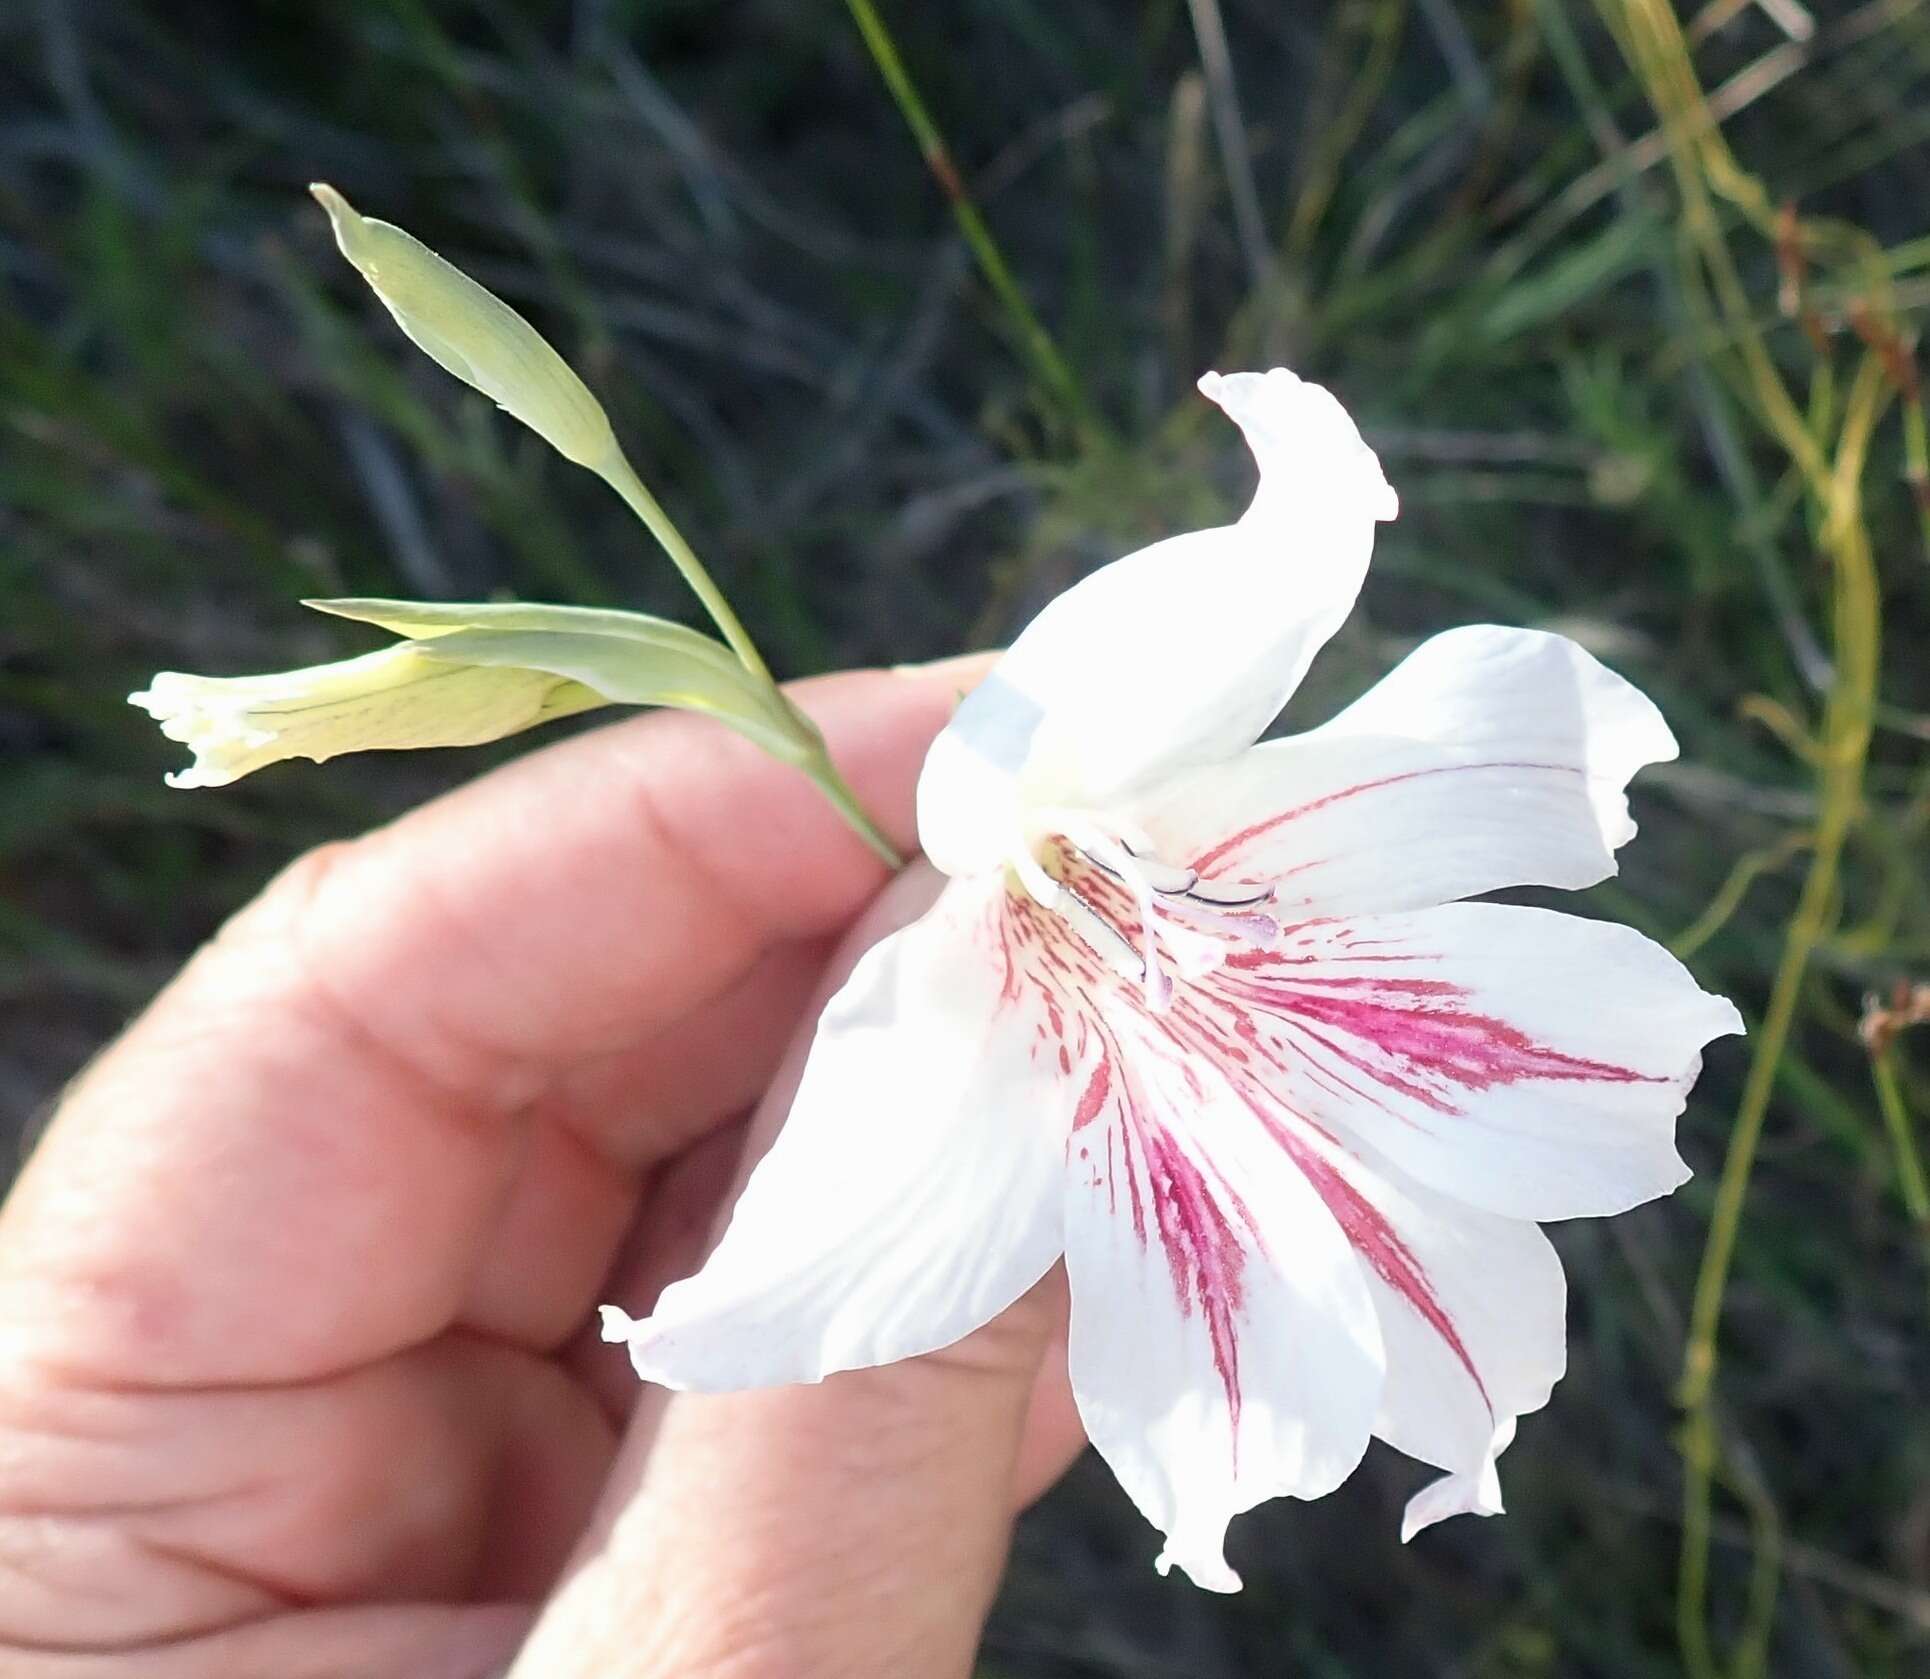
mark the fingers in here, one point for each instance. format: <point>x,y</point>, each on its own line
<point>589,895</point>
<point>838,1531</point>
<point>300,1158</point>
<point>418,1641</point>
<point>133,1519</point>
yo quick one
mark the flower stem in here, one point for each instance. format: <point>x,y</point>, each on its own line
<point>622,477</point>
<point>1903,1142</point>
<point>1844,744</point>
<point>845,802</point>
<point>1030,331</point>
<point>816,762</point>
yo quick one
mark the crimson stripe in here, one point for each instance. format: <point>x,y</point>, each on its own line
<point>1210,860</point>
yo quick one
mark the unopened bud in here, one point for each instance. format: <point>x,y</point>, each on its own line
<point>473,333</point>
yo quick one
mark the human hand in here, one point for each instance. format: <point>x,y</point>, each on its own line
<point>299,1373</point>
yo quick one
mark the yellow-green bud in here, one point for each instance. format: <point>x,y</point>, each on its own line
<point>473,333</point>
<point>396,698</point>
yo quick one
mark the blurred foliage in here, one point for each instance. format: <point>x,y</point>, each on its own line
<point>1627,298</point>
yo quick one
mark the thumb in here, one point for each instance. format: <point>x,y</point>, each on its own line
<point>851,1527</point>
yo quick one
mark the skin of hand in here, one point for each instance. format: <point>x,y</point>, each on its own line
<point>298,1372</point>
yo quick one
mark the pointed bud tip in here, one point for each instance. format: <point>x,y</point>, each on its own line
<point>343,217</point>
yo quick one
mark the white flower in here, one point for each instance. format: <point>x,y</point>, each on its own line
<point>1205,1018</point>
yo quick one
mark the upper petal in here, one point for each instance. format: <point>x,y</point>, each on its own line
<point>913,1191</point>
<point>1224,1349</point>
<point>1516,1059</point>
<point>1178,653</point>
<point>1489,757</point>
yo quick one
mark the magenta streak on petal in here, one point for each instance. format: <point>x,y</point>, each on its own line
<point>1210,860</point>
<point>1363,1224</point>
<point>1098,1087</point>
<point>1432,1042</point>
<point>1205,1229</point>
<point>1204,1255</point>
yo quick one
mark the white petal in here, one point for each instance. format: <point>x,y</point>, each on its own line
<point>1523,1061</point>
<point>1489,758</point>
<point>1181,652</point>
<point>1476,1494</point>
<point>1223,1348</point>
<point>1471,1305</point>
<point>914,1190</point>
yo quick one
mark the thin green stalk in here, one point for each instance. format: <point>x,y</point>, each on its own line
<point>1030,331</point>
<point>1845,742</point>
<point>622,478</point>
<point>817,764</point>
<point>1903,1142</point>
<point>834,788</point>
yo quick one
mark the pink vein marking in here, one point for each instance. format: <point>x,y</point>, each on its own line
<point>1420,1026</point>
<point>1210,860</point>
<point>1204,1254</point>
<point>1363,1224</point>
<point>1377,1242</point>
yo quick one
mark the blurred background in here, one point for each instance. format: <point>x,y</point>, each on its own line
<point>1626,296</point>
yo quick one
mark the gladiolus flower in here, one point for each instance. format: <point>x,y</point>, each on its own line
<point>1206,1019</point>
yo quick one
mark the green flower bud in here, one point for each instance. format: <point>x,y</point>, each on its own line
<point>474,334</point>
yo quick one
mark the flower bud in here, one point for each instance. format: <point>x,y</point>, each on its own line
<point>395,698</point>
<point>473,333</point>
<point>465,673</point>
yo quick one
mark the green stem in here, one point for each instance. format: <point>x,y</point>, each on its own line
<point>1903,1142</point>
<point>622,477</point>
<point>1845,744</point>
<point>834,788</point>
<point>1033,338</point>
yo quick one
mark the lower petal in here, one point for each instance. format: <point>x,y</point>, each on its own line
<point>1472,1306</point>
<point>1224,1349</point>
<point>1475,1494</point>
<point>1519,1060</point>
<point>914,1190</point>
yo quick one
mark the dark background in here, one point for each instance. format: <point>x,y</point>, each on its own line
<point>1467,218</point>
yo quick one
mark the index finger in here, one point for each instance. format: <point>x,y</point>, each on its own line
<point>340,1079</point>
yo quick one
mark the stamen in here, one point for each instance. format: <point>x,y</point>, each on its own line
<point>1163,878</point>
<point>1032,875</point>
<point>1118,860</point>
<point>1250,928</point>
<point>1185,922</point>
<point>1107,942</point>
<point>1230,894</point>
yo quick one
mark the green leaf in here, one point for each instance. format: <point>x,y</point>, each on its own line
<point>631,669</point>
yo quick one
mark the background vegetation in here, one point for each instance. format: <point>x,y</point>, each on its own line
<point>1627,299</point>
